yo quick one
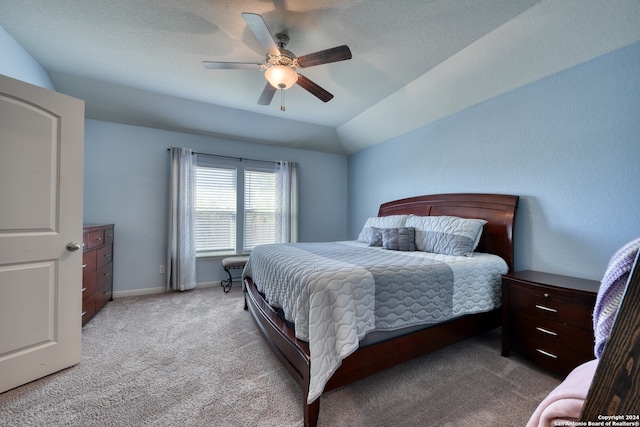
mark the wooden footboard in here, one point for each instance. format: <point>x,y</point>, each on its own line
<point>294,353</point>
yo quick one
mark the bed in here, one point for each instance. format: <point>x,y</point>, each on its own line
<point>399,344</point>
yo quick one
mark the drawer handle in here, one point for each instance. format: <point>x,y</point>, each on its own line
<point>84,312</point>
<point>107,274</point>
<point>98,238</point>
<point>546,353</point>
<point>542,307</point>
<point>107,255</point>
<point>84,265</point>
<point>546,331</point>
<point>546,295</point>
<point>84,289</point>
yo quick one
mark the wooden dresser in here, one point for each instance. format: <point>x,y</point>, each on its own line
<point>97,269</point>
<point>548,318</point>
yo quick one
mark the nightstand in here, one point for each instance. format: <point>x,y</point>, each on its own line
<point>548,318</point>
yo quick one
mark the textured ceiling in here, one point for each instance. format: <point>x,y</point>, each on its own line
<point>414,61</point>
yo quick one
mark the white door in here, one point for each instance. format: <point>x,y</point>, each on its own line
<point>41,177</point>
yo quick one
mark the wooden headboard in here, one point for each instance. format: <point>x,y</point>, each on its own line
<point>498,210</point>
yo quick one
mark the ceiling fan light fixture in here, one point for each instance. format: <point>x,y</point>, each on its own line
<point>281,76</point>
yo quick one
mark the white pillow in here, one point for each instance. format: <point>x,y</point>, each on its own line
<point>391,221</point>
<point>448,235</point>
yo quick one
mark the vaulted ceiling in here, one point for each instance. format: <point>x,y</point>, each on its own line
<point>414,61</point>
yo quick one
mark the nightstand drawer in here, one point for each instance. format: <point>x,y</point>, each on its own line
<point>553,354</point>
<point>547,357</point>
<point>553,305</point>
<point>558,338</point>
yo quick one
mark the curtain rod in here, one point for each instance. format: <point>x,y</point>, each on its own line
<point>232,157</point>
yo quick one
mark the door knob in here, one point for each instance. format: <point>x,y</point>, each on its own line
<point>73,246</point>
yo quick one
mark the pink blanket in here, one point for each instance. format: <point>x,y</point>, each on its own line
<point>563,405</point>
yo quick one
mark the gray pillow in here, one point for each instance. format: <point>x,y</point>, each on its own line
<point>448,235</point>
<point>399,239</point>
<point>372,236</point>
<point>390,221</point>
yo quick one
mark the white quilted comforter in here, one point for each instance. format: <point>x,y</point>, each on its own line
<point>336,293</point>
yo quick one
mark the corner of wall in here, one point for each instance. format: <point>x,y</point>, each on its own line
<point>17,63</point>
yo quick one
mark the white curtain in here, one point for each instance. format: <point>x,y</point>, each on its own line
<point>181,247</point>
<point>286,202</point>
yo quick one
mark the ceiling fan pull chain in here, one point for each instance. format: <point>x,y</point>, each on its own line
<point>281,99</point>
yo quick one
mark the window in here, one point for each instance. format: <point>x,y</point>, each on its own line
<point>235,209</point>
<point>259,208</point>
<point>215,210</point>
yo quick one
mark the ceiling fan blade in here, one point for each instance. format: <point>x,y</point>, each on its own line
<point>261,31</point>
<point>334,54</point>
<point>215,65</point>
<point>314,89</point>
<point>267,95</point>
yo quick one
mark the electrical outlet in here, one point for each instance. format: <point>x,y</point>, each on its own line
<point>161,269</point>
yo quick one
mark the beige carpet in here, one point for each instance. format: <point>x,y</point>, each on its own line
<point>196,359</point>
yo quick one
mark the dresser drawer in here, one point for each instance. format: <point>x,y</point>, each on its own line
<point>555,305</point>
<point>108,236</point>
<point>104,275</point>
<point>103,256</point>
<point>95,239</point>
<point>89,284</point>
<point>102,295</point>
<point>88,309</point>
<point>88,262</point>
<point>104,286</point>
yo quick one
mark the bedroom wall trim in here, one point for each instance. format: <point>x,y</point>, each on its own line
<point>153,291</point>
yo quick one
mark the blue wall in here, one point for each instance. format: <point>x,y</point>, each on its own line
<point>126,183</point>
<point>568,144</point>
<point>15,62</point>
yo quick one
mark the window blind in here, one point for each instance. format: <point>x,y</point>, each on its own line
<point>259,208</point>
<point>216,201</point>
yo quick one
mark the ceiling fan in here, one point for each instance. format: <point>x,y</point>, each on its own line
<point>281,65</point>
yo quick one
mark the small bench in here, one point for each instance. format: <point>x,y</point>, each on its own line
<point>232,263</point>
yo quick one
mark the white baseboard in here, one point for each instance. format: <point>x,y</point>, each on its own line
<point>207,285</point>
<point>152,291</point>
